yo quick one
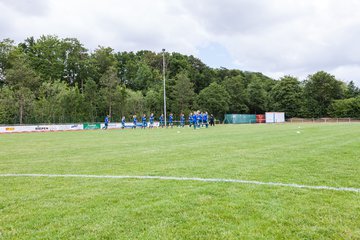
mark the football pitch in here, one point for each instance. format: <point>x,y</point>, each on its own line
<point>275,181</point>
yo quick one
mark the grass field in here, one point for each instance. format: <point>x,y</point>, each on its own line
<point>98,208</point>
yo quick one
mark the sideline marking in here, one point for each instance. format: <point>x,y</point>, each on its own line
<point>293,185</point>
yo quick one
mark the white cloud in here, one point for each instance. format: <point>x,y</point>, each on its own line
<point>25,7</point>
<point>347,73</point>
<point>270,36</point>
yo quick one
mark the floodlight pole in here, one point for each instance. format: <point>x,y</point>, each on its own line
<point>163,52</point>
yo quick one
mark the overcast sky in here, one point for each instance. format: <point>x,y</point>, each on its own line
<point>276,37</point>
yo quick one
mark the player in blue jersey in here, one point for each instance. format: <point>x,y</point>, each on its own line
<point>205,119</point>
<point>134,122</point>
<point>190,119</point>
<point>194,120</point>
<point>171,124</point>
<point>199,119</point>
<point>144,123</point>
<point>182,120</point>
<point>161,120</point>
<point>106,122</point>
<point>151,120</point>
<point>123,121</point>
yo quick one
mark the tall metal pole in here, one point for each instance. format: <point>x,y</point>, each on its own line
<point>163,51</point>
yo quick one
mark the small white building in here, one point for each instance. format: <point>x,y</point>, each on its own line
<point>275,117</point>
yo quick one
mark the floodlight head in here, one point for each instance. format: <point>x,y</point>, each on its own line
<point>163,49</point>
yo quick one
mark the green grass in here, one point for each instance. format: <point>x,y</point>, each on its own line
<point>84,208</point>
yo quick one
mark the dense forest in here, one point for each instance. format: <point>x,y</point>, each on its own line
<point>54,80</point>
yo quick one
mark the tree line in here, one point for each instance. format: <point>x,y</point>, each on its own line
<point>54,80</point>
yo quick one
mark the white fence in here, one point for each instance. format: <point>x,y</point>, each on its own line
<point>322,120</point>
<point>40,128</point>
<point>64,127</point>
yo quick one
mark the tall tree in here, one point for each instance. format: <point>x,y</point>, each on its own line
<point>109,82</point>
<point>200,74</point>
<point>257,96</point>
<point>152,59</point>
<point>352,90</point>
<point>183,93</point>
<point>119,103</point>
<point>59,103</point>
<point>48,107</point>
<point>72,105</point>
<point>153,100</point>
<point>24,81</point>
<point>127,65</point>
<point>76,61</point>
<point>176,63</point>
<point>143,77</point>
<point>214,99</point>
<point>102,59</point>
<point>135,102</point>
<point>46,56</point>
<point>320,90</point>
<point>6,47</point>
<point>92,100</point>
<point>239,97</point>
<point>223,73</point>
<point>287,96</point>
<point>8,108</point>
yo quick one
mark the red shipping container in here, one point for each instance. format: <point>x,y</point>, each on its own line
<point>260,118</point>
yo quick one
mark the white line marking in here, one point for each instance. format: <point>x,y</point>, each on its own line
<point>293,185</point>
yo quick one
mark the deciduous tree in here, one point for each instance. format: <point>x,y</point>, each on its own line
<point>287,96</point>
<point>320,90</point>
<point>214,99</point>
<point>239,97</point>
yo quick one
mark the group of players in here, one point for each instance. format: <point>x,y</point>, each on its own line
<point>197,119</point>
